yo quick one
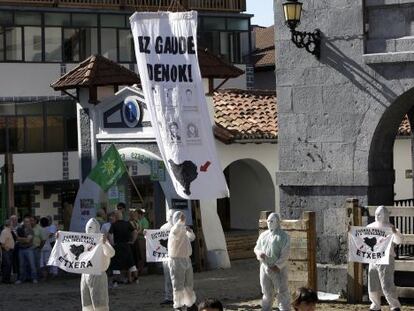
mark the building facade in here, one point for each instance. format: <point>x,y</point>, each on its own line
<point>339,115</point>
<point>41,41</point>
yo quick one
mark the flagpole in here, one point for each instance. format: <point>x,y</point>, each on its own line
<point>133,183</point>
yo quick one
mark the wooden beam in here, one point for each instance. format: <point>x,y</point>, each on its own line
<point>309,218</point>
<point>355,282</point>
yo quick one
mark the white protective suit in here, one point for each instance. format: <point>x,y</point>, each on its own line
<point>168,291</point>
<point>381,277</point>
<point>181,270</point>
<point>272,250</point>
<point>94,288</point>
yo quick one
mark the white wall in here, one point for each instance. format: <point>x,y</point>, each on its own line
<point>42,167</point>
<point>403,187</point>
<point>28,79</point>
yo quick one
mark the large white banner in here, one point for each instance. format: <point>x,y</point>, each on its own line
<point>370,245</point>
<point>166,51</point>
<point>78,252</point>
<point>157,245</point>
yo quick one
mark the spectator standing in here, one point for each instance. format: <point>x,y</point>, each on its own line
<point>133,220</point>
<point>14,224</point>
<point>26,255</point>
<point>143,225</point>
<point>49,232</point>
<point>121,235</point>
<point>122,207</point>
<point>7,246</point>
<point>101,216</point>
<point>39,239</point>
<point>106,226</point>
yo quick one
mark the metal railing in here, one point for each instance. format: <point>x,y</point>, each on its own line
<point>153,5</point>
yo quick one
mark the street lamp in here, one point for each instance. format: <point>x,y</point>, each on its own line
<point>311,41</point>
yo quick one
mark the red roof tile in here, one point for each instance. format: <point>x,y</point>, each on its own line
<point>96,70</point>
<point>264,54</point>
<point>245,115</point>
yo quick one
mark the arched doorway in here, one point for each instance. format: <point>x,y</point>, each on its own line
<point>381,172</point>
<point>251,191</point>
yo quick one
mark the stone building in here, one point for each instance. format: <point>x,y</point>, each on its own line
<point>339,114</point>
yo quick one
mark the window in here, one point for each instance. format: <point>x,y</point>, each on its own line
<point>55,133</point>
<point>14,43</point>
<point>16,133</point>
<point>79,44</point>
<point>82,20</point>
<point>112,20</point>
<point>53,44</point>
<point>34,134</point>
<point>57,19</point>
<point>108,43</point>
<point>6,18</point>
<point>38,127</point>
<point>228,37</point>
<point>33,44</point>
<point>125,46</point>
<point>27,18</point>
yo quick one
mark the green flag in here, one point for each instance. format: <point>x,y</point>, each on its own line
<point>108,170</point>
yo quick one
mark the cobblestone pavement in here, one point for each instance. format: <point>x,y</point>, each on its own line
<point>238,288</point>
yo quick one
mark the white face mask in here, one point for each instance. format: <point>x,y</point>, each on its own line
<point>92,226</point>
<point>273,222</point>
<point>177,217</point>
<point>382,215</point>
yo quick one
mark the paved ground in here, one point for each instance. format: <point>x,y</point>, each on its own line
<point>238,288</point>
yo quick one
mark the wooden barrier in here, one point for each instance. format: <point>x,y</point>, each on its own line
<point>302,259</point>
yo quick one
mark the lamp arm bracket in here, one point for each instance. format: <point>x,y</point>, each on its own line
<point>311,41</point>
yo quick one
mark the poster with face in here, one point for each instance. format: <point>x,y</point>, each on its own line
<point>170,94</point>
<point>187,97</point>
<point>174,132</point>
<point>192,131</point>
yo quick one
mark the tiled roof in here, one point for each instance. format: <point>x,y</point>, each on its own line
<point>405,128</point>
<point>264,54</point>
<point>96,70</point>
<point>245,115</point>
<point>212,66</point>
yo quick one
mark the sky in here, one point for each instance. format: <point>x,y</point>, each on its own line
<point>262,10</point>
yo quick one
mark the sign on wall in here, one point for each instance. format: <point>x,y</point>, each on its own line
<point>166,51</point>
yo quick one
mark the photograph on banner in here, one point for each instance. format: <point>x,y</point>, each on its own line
<point>187,93</point>
<point>156,245</point>
<point>166,52</point>
<point>192,131</point>
<point>78,252</point>
<point>370,245</point>
<point>170,93</point>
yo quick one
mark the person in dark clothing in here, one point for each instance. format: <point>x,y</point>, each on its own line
<point>122,234</point>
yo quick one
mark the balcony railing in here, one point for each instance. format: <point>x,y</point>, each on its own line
<point>139,5</point>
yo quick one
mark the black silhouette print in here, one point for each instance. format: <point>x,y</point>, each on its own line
<point>185,173</point>
<point>77,250</point>
<point>371,242</point>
